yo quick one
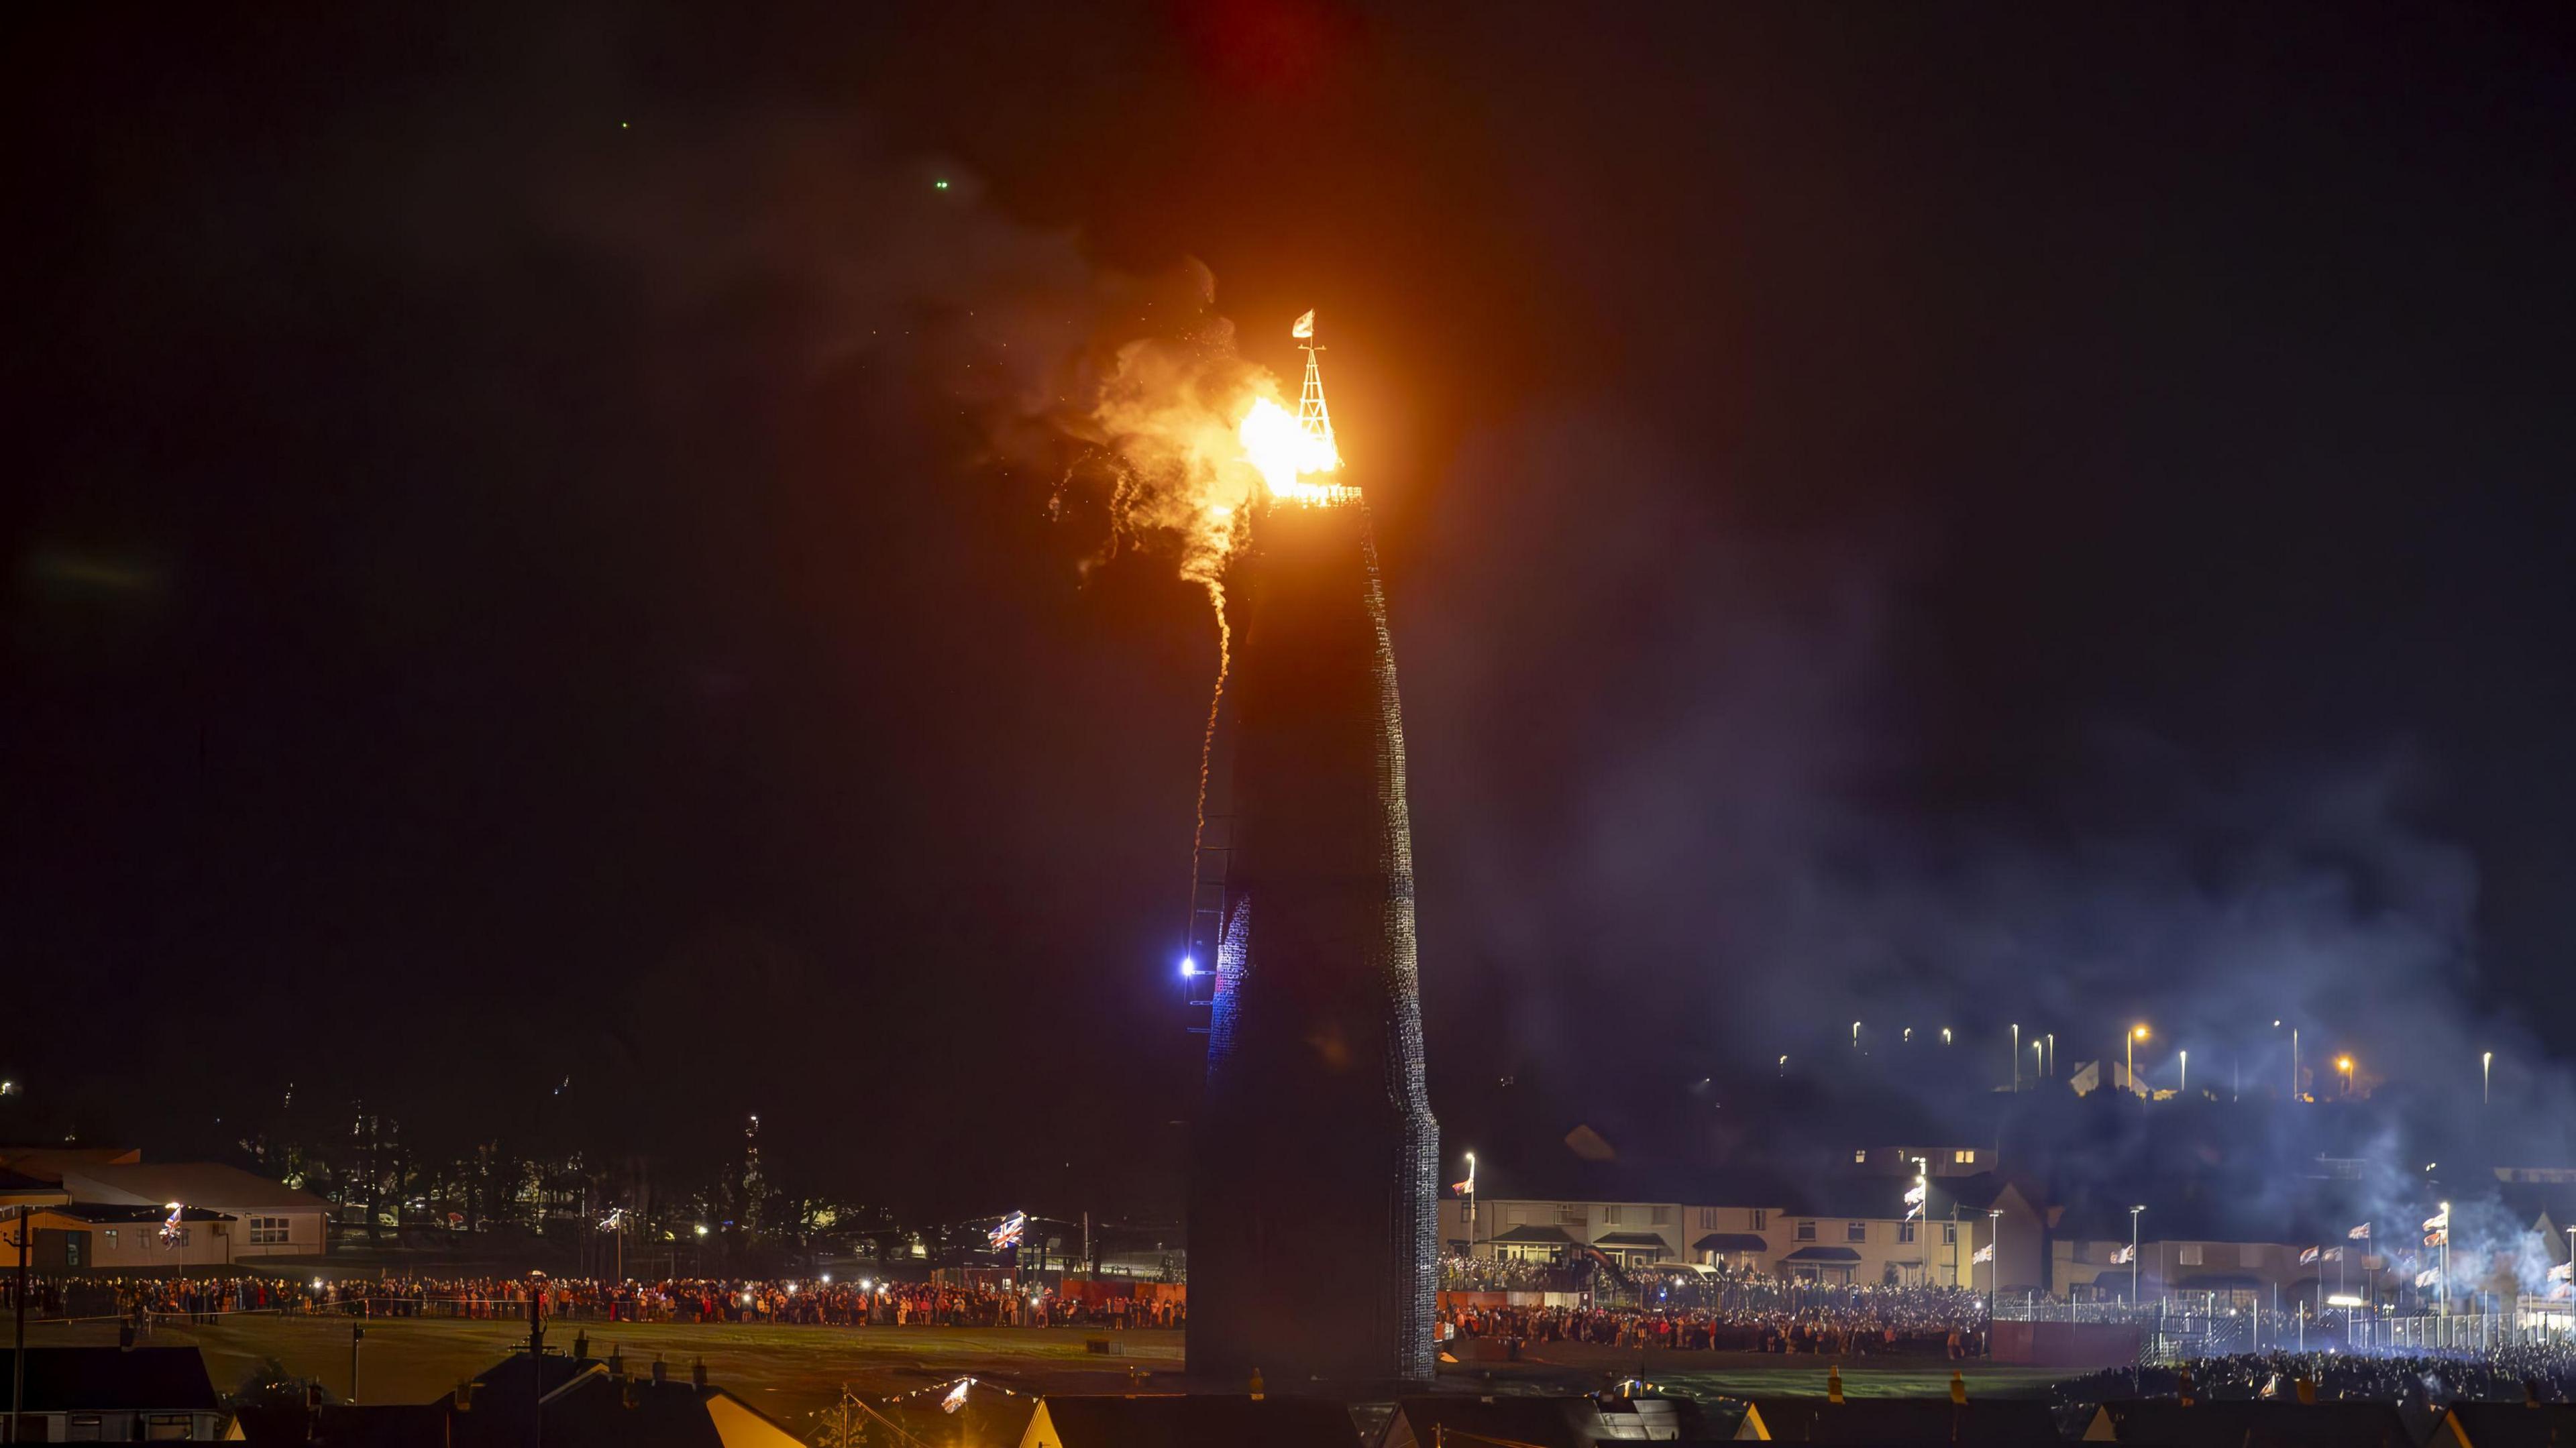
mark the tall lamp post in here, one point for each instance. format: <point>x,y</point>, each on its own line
<point>2184,1089</point>
<point>2486,1077</point>
<point>2137,1033</point>
<point>2343,1068</point>
<point>2133,1255</point>
<point>2016,1030</point>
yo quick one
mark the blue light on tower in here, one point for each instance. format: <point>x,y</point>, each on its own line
<point>1189,967</point>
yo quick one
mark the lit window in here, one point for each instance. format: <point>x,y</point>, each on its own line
<point>1855,1231</point>
<point>1965,1156</point>
<point>1860,1157</point>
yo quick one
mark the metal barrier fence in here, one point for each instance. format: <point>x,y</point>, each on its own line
<point>2181,1329</point>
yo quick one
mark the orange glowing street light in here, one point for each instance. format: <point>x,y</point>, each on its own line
<point>2343,1064</point>
<point>2137,1033</point>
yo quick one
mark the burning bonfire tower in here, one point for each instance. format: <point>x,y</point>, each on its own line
<point>1312,1227</point>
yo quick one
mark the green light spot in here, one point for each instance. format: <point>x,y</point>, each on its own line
<point>940,185</point>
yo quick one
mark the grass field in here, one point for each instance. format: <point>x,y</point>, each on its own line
<point>791,1373</point>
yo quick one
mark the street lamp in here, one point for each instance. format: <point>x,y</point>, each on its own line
<point>2133,1254</point>
<point>2137,1033</point>
<point>2184,1089</point>
<point>1855,1035</point>
<point>1784,1065</point>
<point>2049,1058</point>
<point>2016,1030</point>
<point>2343,1064</point>
<point>1945,1035</point>
<point>2486,1077</point>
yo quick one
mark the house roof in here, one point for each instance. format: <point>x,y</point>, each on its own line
<point>1823,1254</point>
<point>1731,1242</point>
<point>2510,1425</point>
<point>2231,1422</point>
<point>1630,1239</point>
<point>2009,1422</point>
<point>198,1183</point>
<point>1527,1232</point>
<point>1564,1422</point>
<point>102,1212</point>
<point>17,1190</point>
<point>366,1425</point>
<point>114,1379</point>
<point>1174,1420</point>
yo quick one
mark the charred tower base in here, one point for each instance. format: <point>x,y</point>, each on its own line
<point>1312,1229</point>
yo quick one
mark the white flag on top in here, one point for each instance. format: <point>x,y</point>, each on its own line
<point>2360,1233</point>
<point>2125,1254</point>
<point>1305,325</point>
<point>2559,1273</point>
<point>2427,1277</point>
<point>1914,1201</point>
<point>2438,1220</point>
<point>1985,1253</point>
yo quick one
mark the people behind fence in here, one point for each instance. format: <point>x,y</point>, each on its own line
<point>2544,1369</point>
<point>805,1301</point>
<point>1756,1315</point>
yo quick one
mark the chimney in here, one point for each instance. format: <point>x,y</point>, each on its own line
<point>465,1395</point>
<point>581,1346</point>
<point>698,1374</point>
<point>661,1371</point>
<point>617,1362</point>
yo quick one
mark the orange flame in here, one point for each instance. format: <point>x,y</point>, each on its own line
<point>1287,455</point>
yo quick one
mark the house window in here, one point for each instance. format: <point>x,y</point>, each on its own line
<point>1568,1212</point>
<point>111,1239</point>
<point>2189,1254</point>
<point>1904,1232</point>
<point>268,1231</point>
<point>1965,1156</point>
<point>1861,1157</point>
<point>1949,1234</point>
<point>1855,1231</point>
<point>1707,1218</point>
<point>1609,1216</point>
<point>72,1248</point>
<point>1761,1218</point>
<point>1662,1215</point>
<point>1806,1231</point>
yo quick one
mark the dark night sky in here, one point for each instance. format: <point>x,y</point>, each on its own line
<point>1952,514</point>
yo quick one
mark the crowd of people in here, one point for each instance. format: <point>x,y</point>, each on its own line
<point>815,1301</point>
<point>1759,1315</point>
<point>2424,1383</point>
